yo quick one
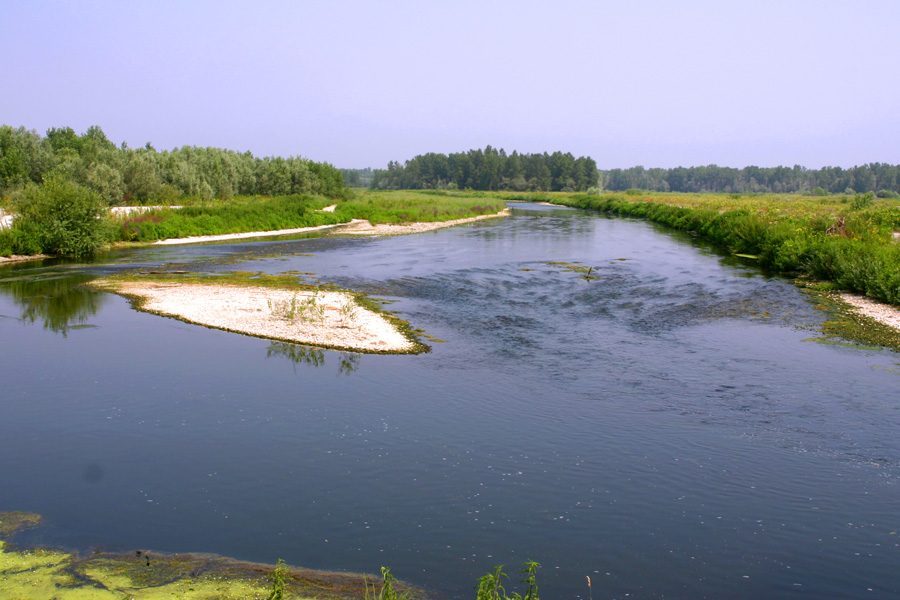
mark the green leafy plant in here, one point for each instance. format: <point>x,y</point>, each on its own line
<point>387,592</point>
<point>279,575</point>
<point>59,217</point>
<point>490,586</point>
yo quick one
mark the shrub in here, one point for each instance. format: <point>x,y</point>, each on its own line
<point>59,217</point>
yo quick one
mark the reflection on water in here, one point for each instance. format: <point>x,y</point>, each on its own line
<point>58,300</point>
<point>348,362</point>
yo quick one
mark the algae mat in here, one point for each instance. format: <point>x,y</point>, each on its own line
<point>45,573</point>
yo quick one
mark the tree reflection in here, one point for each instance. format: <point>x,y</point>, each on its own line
<point>59,301</point>
<point>348,362</point>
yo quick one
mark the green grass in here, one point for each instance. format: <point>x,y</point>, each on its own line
<point>6,242</point>
<point>394,207</point>
<point>843,240</point>
<point>270,213</point>
<point>238,215</point>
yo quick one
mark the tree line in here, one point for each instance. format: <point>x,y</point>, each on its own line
<point>874,177</point>
<point>123,175</point>
<point>490,169</point>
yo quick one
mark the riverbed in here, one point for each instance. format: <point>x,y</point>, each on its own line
<point>669,425</point>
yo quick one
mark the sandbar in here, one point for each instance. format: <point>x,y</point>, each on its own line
<point>197,239</point>
<point>885,314</point>
<point>329,319</point>
<point>364,227</point>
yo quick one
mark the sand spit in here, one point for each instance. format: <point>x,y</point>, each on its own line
<point>317,318</point>
<point>363,227</point>
<point>197,239</point>
<point>883,313</point>
<point>21,258</point>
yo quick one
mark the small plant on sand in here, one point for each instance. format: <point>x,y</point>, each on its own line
<point>348,312</point>
<point>307,310</point>
<point>387,588</point>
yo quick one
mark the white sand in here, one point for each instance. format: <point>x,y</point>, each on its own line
<point>197,239</point>
<point>265,312</point>
<point>21,258</point>
<point>883,313</point>
<point>363,227</point>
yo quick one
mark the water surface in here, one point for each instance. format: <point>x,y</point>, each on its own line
<point>666,428</point>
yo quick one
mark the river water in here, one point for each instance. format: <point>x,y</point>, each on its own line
<point>667,428</point>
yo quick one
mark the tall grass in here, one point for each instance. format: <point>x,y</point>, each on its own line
<point>404,206</point>
<point>238,215</point>
<point>846,241</point>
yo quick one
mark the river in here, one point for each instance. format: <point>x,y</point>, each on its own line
<point>666,426</point>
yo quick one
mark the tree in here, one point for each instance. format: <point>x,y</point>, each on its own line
<point>60,217</point>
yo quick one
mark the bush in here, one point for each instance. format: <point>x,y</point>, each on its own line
<point>59,217</point>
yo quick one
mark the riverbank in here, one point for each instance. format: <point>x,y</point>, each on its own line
<point>883,313</point>
<point>303,315</point>
<point>16,258</point>
<point>364,227</point>
<point>199,239</point>
<point>63,575</point>
<point>847,241</point>
<point>354,227</point>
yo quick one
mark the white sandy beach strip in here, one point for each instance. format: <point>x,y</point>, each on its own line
<point>197,239</point>
<point>337,322</point>
<point>883,313</point>
<point>363,227</point>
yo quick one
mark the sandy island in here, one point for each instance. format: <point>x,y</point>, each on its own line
<point>883,313</point>
<point>363,227</point>
<point>317,318</point>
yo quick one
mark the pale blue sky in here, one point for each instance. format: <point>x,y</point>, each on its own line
<point>359,83</point>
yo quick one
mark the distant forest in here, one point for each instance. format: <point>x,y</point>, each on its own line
<point>492,169</point>
<point>126,175</point>
<point>874,177</point>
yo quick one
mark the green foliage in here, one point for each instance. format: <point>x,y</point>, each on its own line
<point>852,248</point>
<point>490,169</point>
<point>490,586</point>
<point>417,206</point>
<point>145,175</point>
<point>796,179</point>
<point>279,574</point>
<point>388,591</point>
<point>234,216</point>
<point>59,217</point>
<point>862,201</point>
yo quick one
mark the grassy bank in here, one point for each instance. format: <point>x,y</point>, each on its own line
<point>846,241</point>
<point>238,215</point>
<point>272,213</point>
<point>395,207</point>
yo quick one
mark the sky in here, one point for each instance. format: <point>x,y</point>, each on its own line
<point>640,82</point>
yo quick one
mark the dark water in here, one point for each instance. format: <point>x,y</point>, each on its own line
<point>667,428</point>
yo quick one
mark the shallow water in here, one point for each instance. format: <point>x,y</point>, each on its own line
<point>666,428</point>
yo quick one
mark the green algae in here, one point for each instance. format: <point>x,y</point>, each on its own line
<point>45,573</point>
<point>15,521</point>
<point>845,326</point>
<point>574,267</point>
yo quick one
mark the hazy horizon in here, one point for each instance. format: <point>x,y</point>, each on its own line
<point>358,84</point>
